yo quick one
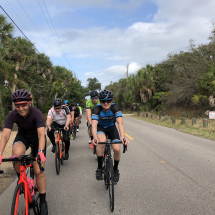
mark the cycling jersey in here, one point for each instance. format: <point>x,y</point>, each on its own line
<point>91,105</point>
<point>80,109</point>
<point>77,112</point>
<point>61,117</point>
<point>26,126</point>
<point>106,119</point>
<point>71,108</point>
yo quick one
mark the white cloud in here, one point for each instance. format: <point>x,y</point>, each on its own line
<point>88,73</point>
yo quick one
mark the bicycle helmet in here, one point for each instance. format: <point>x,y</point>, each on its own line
<point>105,95</point>
<point>94,93</point>
<point>66,102</point>
<point>57,102</point>
<point>74,104</point>
<point>21,95</point>
<point>77,104</point>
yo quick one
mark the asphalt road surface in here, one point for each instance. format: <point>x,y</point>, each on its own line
<point>163,172</point>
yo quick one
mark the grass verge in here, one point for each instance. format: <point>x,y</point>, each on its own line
<point>197,130</point>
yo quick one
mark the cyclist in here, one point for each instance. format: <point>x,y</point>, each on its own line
<point>103,123</point>
<point>61,116</point>
<point>80,109</point>
<point>31,133</point>
<point>71,108</point>
<point>76,115</point>
<point>90,104</point>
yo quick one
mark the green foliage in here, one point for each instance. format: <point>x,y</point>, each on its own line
<point>93,84</point>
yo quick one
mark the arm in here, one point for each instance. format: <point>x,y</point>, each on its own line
<point>72,116</point>
<point>41,137</point>
<point>88,115</point>
<point>121,130</point>
<point>4,139</point>
<point>68,120</point>
<point>94,130</point>
<point>48,122</point>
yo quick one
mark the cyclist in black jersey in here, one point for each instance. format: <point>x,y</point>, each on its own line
<point>76,115</point>
<point>71,108</point>
<point>104,117</point>
<point>31,133</point>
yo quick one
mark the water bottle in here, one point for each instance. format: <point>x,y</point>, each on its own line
<point>31,185</point>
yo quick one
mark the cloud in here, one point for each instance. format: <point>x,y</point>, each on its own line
<point>89,74</point>
<point>117,58</point>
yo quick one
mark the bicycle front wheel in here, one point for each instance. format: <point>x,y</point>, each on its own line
<point>19,206</point>
<point>57,158</point>
<point>111,184</point>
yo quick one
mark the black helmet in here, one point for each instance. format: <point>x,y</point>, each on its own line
<point>105,95</point>
<point>21,95</point>
<point>74,104</point>
<point>94,93</point>
<point>57,102</point>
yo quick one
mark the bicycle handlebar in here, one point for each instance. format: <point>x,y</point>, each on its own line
<point>25,158</point>
<point>124,146</point>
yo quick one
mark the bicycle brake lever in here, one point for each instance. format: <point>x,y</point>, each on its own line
<point>124,148</point>
<point>38,161</point>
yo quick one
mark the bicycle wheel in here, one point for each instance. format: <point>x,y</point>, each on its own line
<point>111,184</point>
<point>19,206</point>
<point>106,173</point>
<point>57,158</point>
<point>36,200</point>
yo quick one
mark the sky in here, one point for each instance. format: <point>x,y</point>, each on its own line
<point>98,38</point>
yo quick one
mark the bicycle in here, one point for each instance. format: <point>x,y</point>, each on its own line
<point>24,199</point>
<point>108,169</point>
<point>74,130</point>
<point>59,150</point>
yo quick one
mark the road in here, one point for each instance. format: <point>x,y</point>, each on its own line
<point>163,172</point>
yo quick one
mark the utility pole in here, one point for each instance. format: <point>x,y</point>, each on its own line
<point>127,71</point>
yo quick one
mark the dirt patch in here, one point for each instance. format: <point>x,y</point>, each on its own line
<point>9,174</point>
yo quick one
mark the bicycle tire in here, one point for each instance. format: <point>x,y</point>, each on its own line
<point>111,184</point>
<point>36,200</point>
<point>57,158</point>
<point>18,202</point>
<point>106,173</point>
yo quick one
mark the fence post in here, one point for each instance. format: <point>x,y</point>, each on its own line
<point>193,121</point>
<point>147,114</point>
<point>205,123</point>
<point>182,120</point>
<point>173,119</point>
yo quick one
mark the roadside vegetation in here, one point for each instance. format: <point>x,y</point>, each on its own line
<point>183,84</point>
<point>21,66</point>
<point>197,129</point>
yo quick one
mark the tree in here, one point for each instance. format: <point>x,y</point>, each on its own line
<point>93,84</point>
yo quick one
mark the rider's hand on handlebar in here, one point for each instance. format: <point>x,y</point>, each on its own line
<point>95,142</point>
<point>66,128</point>
<point>48,128</point>
<point>43,158</point>
<point>125,141</point>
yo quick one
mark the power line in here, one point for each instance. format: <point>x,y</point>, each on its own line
<point>18,28</point>
<point>57,36</point>
<point>23,23</point>
<point>39,32</point>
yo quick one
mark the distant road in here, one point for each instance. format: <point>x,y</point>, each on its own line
<point>163,172</point>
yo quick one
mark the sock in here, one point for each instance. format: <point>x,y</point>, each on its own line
<point>42,198</point>
<point>115,165</point>
<point>77,127</point>
<point>99,158</point>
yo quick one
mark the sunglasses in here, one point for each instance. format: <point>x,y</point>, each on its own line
<point>105,101</point>
<point>24,104</point>
<point>96,97</point>
<point>57,108</point>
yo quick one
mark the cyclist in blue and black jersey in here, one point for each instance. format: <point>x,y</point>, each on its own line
<point>104,117</point>
<point>72,111</point>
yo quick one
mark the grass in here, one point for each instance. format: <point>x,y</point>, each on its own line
<point>196,129</point>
